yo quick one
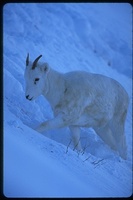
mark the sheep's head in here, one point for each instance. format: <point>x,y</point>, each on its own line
<point>35,78</point>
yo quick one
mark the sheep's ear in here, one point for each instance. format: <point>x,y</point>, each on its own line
<point>45,67</point>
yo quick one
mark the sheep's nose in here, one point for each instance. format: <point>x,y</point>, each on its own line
<point>27,96</point>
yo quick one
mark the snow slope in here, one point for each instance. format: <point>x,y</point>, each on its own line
<point>93,37</point>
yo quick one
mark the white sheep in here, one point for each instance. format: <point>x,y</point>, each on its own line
<point>80,99</point>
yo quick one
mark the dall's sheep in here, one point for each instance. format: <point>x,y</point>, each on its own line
<point>80,99</point>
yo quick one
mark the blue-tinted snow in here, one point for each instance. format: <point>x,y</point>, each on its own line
<point>93,37</point>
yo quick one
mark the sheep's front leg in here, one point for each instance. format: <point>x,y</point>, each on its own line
<point>57,122</point>
<point>75,131</point>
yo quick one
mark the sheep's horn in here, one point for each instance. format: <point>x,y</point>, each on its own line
<point>35,62</point>
<point>27,60</point>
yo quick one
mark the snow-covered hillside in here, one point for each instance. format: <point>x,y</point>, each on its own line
<point>94,37</point>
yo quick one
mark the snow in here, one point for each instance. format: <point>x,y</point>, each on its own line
<point>95,37</point>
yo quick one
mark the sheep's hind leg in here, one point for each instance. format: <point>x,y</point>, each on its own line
<point>106,135</point>
<point>117,126</point>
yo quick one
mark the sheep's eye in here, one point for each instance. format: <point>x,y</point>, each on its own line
<point>36,79</point>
